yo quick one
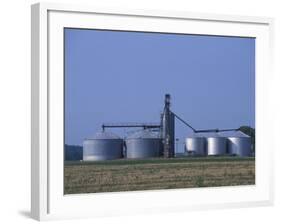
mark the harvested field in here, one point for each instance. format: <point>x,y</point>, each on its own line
<point>134,175</point>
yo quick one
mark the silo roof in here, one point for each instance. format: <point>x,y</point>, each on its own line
<point>211,135</point>
<point>226,134</point>
<point>143,134</point>
<point>196,135</point>
<point>104,135</point>
<point>234,134</point>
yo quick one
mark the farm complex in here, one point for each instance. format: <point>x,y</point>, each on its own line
<point>146,159</point>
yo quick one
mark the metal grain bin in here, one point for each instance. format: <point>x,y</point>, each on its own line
<point>239,144</point>
<point>195,145</point>
<point>143,144</point>
<point>102,146</point>
<point>216,145</point>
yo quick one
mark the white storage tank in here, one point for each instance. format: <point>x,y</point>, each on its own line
<point>143,144</point>
<point>195,145</point>
<point>216,145</point>
<point>102,146</point>
<point>239,144</point>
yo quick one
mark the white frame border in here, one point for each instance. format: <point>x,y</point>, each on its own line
<point>40,105</point>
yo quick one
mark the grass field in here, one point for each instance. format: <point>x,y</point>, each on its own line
<point>158,173</point>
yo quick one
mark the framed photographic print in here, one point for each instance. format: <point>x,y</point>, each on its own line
<point>138,111</point>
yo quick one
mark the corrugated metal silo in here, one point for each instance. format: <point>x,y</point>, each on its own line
<point>216,145</point>
<point>102,146</point>
<point>143,144</point>
<point>239,144</point>
<point>195,145</point>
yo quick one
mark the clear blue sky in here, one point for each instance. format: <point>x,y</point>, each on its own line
<point>113,76</point>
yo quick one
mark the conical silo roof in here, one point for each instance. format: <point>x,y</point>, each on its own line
<point>210,135</point>
<point>237,134</point>
<point>196,135</point>
<point>104,135</point>
<point>143,134</point>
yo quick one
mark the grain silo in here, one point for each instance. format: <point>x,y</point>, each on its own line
<point>143,144</point>
<point>216,145</point>
<point>239,144</point>
<point>195,145</point>
<point>102,146</point>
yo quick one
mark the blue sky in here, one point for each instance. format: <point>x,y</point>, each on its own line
<point>118,76</point>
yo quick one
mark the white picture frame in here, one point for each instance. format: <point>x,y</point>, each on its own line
<point>48,201</point>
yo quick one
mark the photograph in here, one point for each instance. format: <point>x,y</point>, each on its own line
<point>157,111</point>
